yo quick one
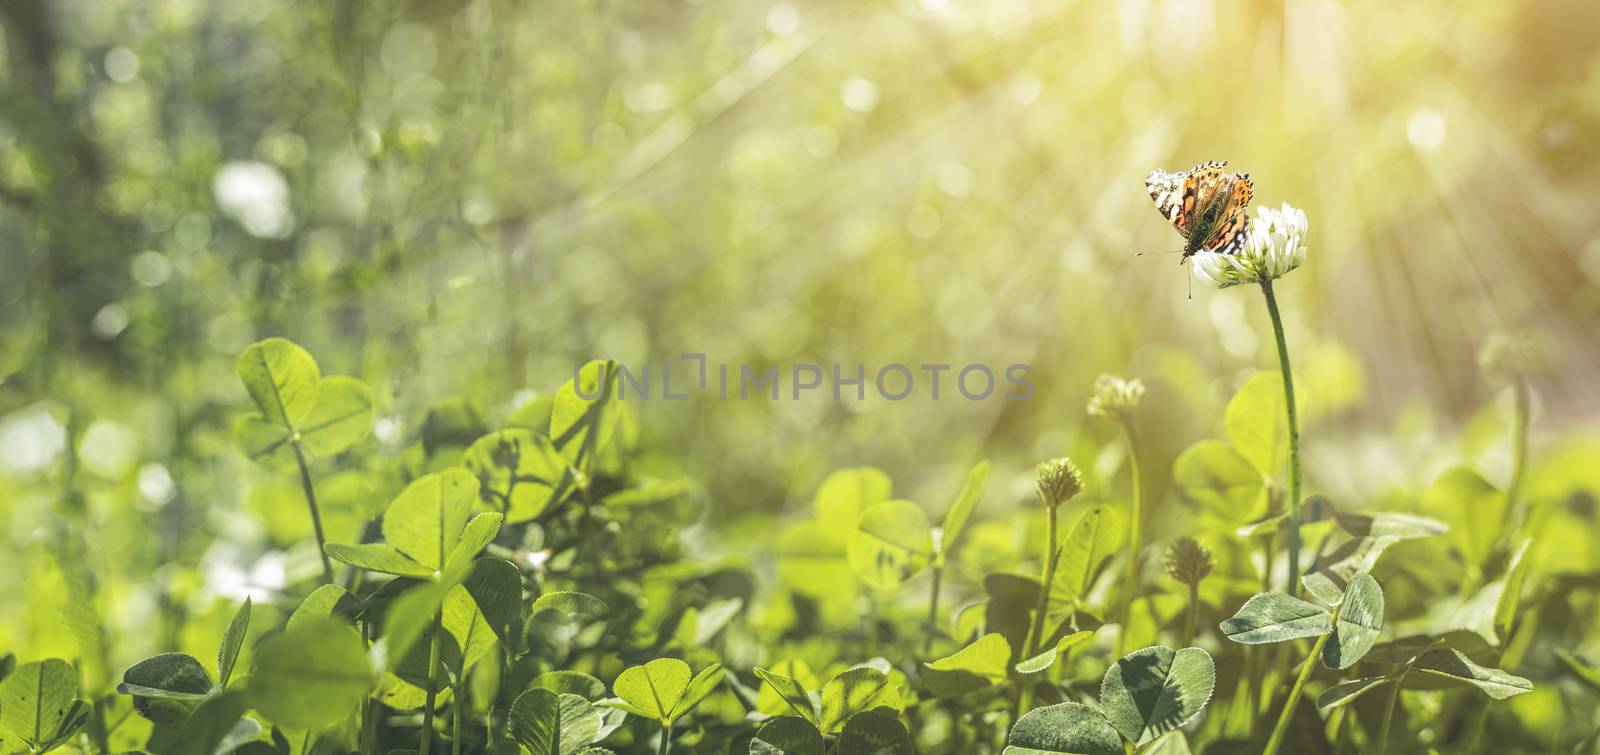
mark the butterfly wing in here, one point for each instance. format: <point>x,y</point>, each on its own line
<point>1167,189</point>
<point>1180,197</point>
<point>1231,232</point>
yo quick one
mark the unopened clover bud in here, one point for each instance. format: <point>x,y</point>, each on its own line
<point>1187,561</point>
<point>1116,398</point>
<point>1059,480</point>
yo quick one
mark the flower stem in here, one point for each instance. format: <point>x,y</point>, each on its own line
<point>1515,516</point>
<point>1294,440</point>
<point>1041,607</point>
<point>1130,578</point>
<point>1388,715</point>
<point>316,518</point>
<point>1194,615</point>
<point>433,665</point>
<point>933,610</point>
<point>1282,727</point>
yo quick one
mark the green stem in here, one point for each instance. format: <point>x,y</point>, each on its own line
<point>316,518</point>
<point>666,740</point>
<point>1293,587</point>
<point>433,665</point>
<point>1041,607</point>
<point>455,721</point>
<point>1388,715</point>
<point>1194,615</point>
<point>933,609</point>
<point>1515,514</point>
<point>1282,727</point>
<point>1130,578</point>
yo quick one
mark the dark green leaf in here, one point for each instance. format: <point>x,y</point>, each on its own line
<point>1445,664</point>
<point>1152,691</point>
<point>1063,729</point>
<point>788,735</point>
<point>1357,627</point>
<point>873,734</point>
<point>166,687</point>
<point>1275,617</point>
<point>496,585</point>
<point>232,642</point>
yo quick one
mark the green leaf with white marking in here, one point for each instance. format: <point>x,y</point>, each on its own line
<point>1276,617</point>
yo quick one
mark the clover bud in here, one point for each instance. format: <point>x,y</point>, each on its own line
<point>1059,480</point>
<point>1116,398</point>
<point>1187,561</point>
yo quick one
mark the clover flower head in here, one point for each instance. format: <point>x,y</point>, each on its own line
<point>1509,356</point>
<point>1115,397</point>
<point>1059,480</point>
<point>1187,561</point>
<point>1275,244</point>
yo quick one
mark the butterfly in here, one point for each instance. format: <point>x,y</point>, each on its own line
<point>1206,205</point>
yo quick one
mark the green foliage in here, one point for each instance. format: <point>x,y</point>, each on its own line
<point>986,661</point>
<point>535,586</point>
<point>1090,543</point>
<point>663,689</point>
<point>546,723</point>
<point>1358,624</point>
<point>427,528</point>
<point>1450,666</point>
<point>39,706</point>
<point>310,676</point>
<point>891,544</point>
<point>1275,617</point>
<point>1063,729</point>
<point>296,405</point>
<point>1155,690</point>
<point>856,690</point>
<point>955,518</point>
<point>1143,695</point>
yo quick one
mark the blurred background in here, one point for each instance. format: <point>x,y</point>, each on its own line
<point>462,200</point>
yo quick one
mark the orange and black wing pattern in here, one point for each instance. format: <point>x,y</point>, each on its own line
<point>1232,230</point>
<point>1181,196</point>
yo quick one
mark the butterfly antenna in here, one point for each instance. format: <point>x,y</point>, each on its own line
<point>1169,251</point>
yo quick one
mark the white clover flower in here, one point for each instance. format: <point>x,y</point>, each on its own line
<point>1116,398</point>
<point>1275,245</point>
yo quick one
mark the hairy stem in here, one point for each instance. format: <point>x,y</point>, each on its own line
<point>1293,587</point>
<point>433,690</point>
<point>1194,615</point>
<point>1041,607</point>
<point>1130,578</point>
<point>1282,727</point>
<point>316,517</point>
